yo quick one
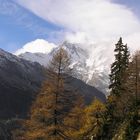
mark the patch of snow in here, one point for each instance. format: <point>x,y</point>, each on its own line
<point>91,67</point>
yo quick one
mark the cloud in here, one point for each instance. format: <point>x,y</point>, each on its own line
<point>99,22</point>
<point>36,46</point>
<point>93,20</point>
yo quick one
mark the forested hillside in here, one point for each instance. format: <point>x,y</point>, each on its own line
<point>61,111</point>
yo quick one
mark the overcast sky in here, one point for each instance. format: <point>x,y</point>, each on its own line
<point>22,21</point>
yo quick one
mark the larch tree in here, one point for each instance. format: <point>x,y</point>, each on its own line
<point>75,120</point>
<point>133,79</point>
<point>53,103</point>
<point>130,101</point>
<point>93,121</point>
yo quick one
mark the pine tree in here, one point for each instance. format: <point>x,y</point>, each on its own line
<point>53,103</point>
<point>119,67</point>
<point>126,56</point>
<point>117,99</point>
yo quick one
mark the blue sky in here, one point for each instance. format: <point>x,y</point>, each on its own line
<point>19,25</point>
<point>133,4</point>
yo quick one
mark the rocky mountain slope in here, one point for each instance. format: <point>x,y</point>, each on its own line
<point>20,81</point>
<point>92,69</point>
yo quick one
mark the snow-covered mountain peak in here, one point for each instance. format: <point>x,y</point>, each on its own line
<point>88,61</point>
<point>76,51</point>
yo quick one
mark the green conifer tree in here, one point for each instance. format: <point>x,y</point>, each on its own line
<point>119,67</point>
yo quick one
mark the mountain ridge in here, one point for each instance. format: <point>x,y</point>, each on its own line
<point>20,82</point>
<point>93,71</point>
